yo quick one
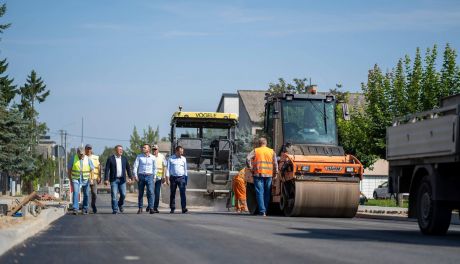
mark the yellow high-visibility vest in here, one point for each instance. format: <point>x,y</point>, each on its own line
<point>96,163</point>
<point>159,162</point>
<point>76,170</point>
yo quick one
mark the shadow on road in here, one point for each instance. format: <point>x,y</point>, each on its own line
<point>452,239</point>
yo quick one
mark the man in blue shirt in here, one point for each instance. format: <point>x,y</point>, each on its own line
<point>176,173</point>
<point>144,170</point>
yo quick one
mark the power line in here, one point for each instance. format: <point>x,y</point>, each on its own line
<point>91,137</point>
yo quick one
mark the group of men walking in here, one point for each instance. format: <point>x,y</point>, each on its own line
<point>150,171</point>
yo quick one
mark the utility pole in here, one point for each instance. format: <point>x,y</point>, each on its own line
<point>61,169</point>
<point>82,131</point>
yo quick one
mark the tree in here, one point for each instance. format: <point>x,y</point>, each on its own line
<point>149,136</point>
<point>414,84</point>
<point>32,92</point>
<point>448,82</point>
<point>430,88</point>
<point>399,96</point>
<point>299,86</point>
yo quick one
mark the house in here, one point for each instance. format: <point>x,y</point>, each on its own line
<point>373,178</point>
<point>251,109</point>
<point>229,103</point>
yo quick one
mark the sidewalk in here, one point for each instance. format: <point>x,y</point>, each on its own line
<point>14,230</point>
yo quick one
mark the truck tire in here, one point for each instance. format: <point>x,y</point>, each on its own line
<point>251,199</point>
<point>433,216</point>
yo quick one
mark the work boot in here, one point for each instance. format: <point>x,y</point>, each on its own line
<point>184,211</point>
<point>139,211</point>
<point>151,211</point>
<point>156,211</point>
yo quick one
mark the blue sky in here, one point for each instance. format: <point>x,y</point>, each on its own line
<point>125,63</point>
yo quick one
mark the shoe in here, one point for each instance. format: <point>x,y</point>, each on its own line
<point>139,211</point>
<point>75,212</point>
<point>121,209</point>
<point>94,210</point>
<point>156,211</point>
<point>184,211</point>
<point>151,211</point>
<point>172,211</point>
<point>114,212</point>
<point>85,212</point>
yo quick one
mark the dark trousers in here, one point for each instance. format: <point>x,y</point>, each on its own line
<point>93,196</point>
<point>177,181</point>
<point>157,194</point>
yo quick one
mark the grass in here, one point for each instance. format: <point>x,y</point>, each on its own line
<point>385,203</point>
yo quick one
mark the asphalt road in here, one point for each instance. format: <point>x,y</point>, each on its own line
<point>213,237</point>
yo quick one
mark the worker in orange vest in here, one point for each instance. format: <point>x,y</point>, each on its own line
<point>263,163</point>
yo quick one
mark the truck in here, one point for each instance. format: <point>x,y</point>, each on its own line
<point>423,152</point>
<point>316,177</point>
<point>208,139</point>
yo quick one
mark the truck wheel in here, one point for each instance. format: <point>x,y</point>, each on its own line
<point>251,199</point>
<point>433,216</point>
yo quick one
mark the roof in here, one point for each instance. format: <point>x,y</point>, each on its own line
<point>226,95</point>
<point>254,103</point>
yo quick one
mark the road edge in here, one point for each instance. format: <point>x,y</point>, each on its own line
<point>13,236</point>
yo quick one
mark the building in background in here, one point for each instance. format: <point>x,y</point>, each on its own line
<point>229,103</point>
<point>373,178</point>
<point>251,109</point>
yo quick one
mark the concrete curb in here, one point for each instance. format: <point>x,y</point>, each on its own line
<point>12,236</point>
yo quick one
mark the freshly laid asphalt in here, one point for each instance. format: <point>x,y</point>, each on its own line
<point>223,237</point>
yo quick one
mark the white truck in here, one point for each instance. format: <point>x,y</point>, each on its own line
<point>423,151</point>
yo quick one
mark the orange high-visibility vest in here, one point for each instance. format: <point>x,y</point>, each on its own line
<point>262,164</point>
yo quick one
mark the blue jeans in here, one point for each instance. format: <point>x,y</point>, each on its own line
<point>145,180</point>
<point>263,186</point>
<point>115,188</point>
<point>76,191</point>
<point>178,181</point>
<point>157,193</point>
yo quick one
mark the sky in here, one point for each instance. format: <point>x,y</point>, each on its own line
<point>119,64</point>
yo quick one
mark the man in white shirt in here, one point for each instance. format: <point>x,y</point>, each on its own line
<point>159,177</point>
<point>116,168</point>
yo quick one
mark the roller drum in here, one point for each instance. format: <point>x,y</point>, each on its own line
<point>324,199</point>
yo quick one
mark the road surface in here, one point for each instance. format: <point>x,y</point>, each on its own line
<point>221,237</point>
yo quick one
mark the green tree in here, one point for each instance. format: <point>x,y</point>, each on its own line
<point>399,96</point>
<point>448,82</point>
<point>414,84</point>
<point>299,86</point>
<point>33,92</point>
<point>430,88</point>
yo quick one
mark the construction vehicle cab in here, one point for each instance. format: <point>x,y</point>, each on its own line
<point>208,139</point>
<point>316,177</point>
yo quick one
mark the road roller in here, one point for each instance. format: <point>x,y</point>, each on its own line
<point>316,178</point>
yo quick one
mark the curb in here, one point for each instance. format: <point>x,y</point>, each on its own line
<point>12,236</point>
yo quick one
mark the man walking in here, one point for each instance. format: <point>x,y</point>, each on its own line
<point>116,168</point>
<point>95,178</point>
<point>262,161</point>
<point>176,173</point>
<point>80,168</point>
<point>159,177</point>
<point>144,171</point>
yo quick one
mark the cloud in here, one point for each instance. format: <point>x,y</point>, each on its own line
<point>105,26</point>
<point>178,33</point>
<point>417,20</point>
<point>243,16</point>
